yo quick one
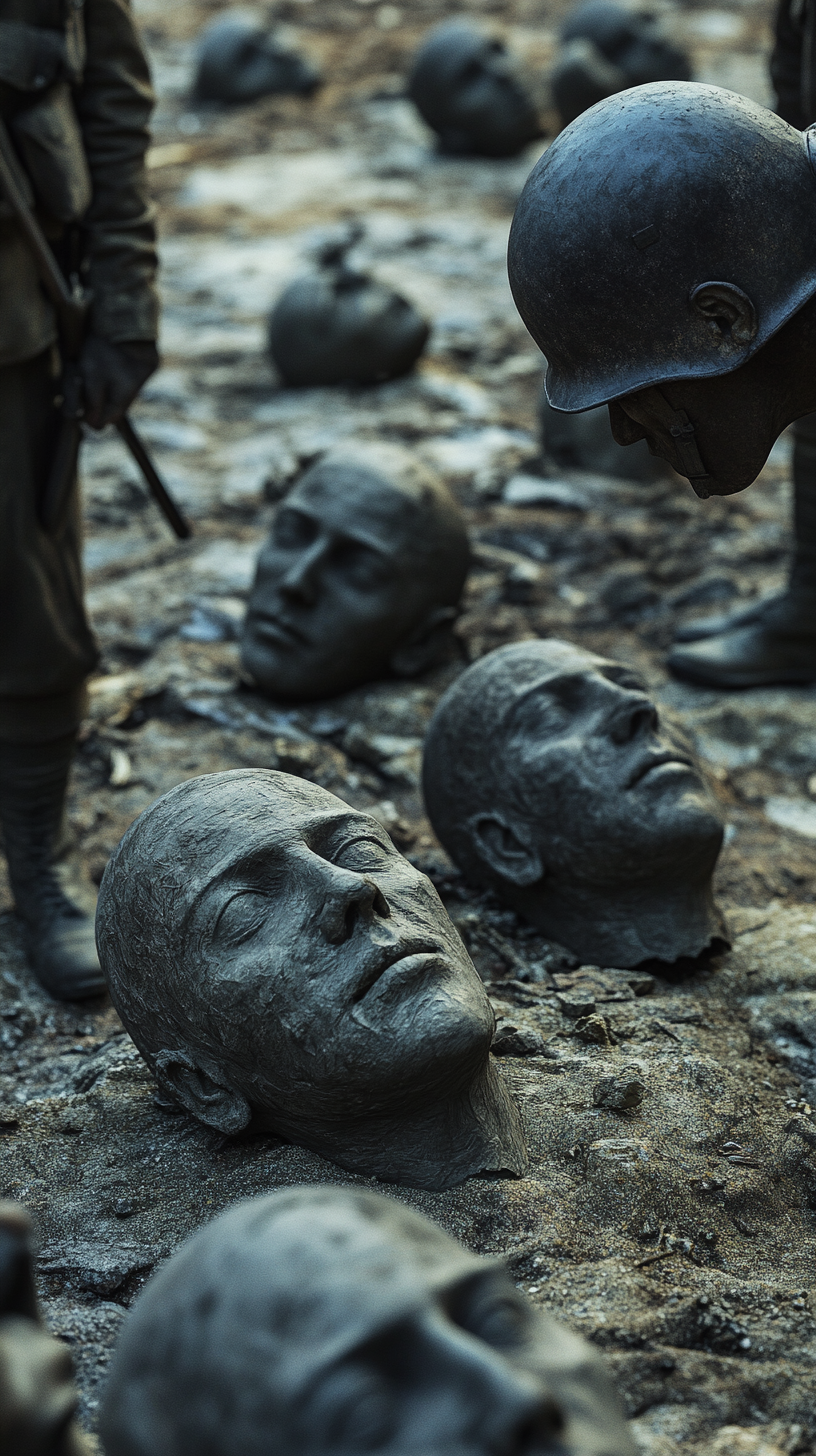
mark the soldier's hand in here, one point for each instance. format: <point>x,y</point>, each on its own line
<point>112,375</point>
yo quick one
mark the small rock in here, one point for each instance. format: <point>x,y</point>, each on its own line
<point>595,1029</point>
<point>536,490</point>
<point>576,1003</point>
<point>619,1094</point>
<point>621,1155</point>
<point>124,1208</point>
<point>514,1041</point>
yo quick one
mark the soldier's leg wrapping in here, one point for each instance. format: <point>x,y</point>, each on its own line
<point>773,640</point>
<point>46,652</point>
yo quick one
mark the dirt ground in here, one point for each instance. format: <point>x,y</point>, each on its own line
<point>679,1237</point>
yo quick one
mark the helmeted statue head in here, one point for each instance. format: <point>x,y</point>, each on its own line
<point>549,776</point>
<point>336,325</point>
<point>281,966</point>
<point>323,1321</point>
<point>605,48</point>
<point>660,255</point>
<point>469,90</point>
<point>360,577</point>
<point>238,61</point>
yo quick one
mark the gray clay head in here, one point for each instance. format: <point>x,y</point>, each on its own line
<point>336,325</point>
<point>238,61</point>
<point>281,966</point>
<point>469,90</point>
<point>606,48</point>
<point>334,1321</point>
<point>549,775</point>
<point>360,576</point>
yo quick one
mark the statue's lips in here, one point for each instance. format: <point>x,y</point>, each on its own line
<point>401,964</point>
<point>278,630</point>
<point>657,760</point>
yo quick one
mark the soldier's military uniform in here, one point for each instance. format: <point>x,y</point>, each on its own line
<point>75,97</point>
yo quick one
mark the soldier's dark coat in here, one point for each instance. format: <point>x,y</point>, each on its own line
<point>76,98</point>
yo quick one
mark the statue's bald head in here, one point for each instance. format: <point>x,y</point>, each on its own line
<point>469,764</point>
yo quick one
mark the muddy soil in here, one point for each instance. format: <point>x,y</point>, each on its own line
<point>679,1236</point>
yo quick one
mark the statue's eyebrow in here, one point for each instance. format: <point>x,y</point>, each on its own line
<point>554,683</point>
<point>357,537</point>
<point>623,676</point>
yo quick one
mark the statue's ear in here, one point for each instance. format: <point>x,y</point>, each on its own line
<point>499,845</point>
<point>425,644</point>
<point>206,1098</point>
<point>728,312</point>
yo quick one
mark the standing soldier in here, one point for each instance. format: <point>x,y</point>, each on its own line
<point>774,640</point>
<point>75,102</point>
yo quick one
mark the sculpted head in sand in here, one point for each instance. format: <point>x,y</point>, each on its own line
<point>549,775</point>
<point>360,577</point>
<point>280,965</point>
<point>330,1321</point>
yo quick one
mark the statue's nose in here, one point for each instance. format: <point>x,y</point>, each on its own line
<point>349,898</point>
<point>633,717</point>
<point>301,581</point>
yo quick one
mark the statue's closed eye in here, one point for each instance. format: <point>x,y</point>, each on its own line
<point>243,916</point>
<point>364,854</point>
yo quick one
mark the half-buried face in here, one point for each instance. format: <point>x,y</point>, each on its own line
<point>334,1321</point>
<point>277,960</point>
<point>468,88</point>
<point>549,775</point>
<point>360,576</point>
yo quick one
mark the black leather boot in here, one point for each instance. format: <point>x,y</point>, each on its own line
<point>774,639</point>
<point>59,937</point>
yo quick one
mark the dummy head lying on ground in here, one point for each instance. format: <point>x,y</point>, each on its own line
<point>330,1321</point>
<point>238,61</point>
<point>606,47</point>
<point>360,577</point>
<point>281,966</point>
<point>663,257</point>
<point>549,776</point>
<point>338,325</point>
<point>470,91</point>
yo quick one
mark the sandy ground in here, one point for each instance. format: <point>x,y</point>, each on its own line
<point>678,1237</point>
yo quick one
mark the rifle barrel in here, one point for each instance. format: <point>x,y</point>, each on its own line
<point>158,489</point>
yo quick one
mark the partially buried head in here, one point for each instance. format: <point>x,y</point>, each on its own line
<point>331,1321</point>
<point>548,774</point>
<point>280,965</point>
<point>469,89</point>
<point>360,576</point>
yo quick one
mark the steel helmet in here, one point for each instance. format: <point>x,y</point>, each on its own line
<point>640,201</point>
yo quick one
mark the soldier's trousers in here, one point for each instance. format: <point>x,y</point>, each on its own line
<point>46,645</point>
